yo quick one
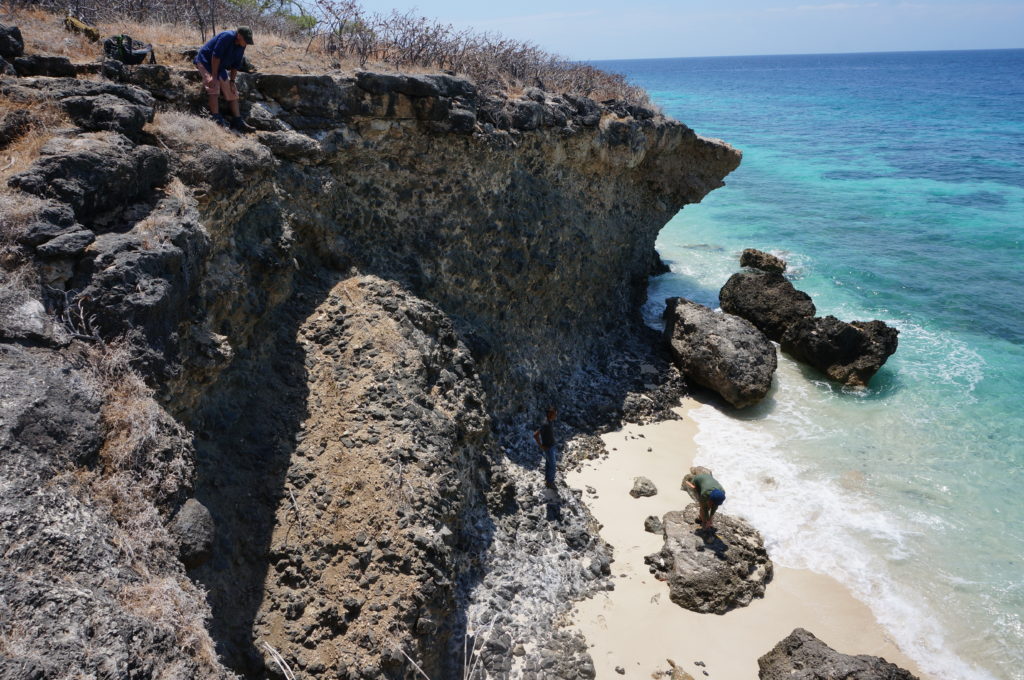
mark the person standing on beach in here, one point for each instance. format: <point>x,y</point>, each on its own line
<point>707,491</point>
<point>545,438</point>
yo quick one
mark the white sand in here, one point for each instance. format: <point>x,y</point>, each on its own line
<point>637,627</point>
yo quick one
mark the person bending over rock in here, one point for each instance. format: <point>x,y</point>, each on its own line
<point>706,490</point>
<point>545,438</point>
<point>218,62</point>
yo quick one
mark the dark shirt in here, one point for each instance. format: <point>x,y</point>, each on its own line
<point>223,46</point>
<point>705,485</point>
<point>547,435</point>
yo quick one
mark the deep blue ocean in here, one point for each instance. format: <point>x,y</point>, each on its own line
<point>893,184</point>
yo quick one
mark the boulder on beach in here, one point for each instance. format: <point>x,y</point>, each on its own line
<point>711,571</point>
<point>765,299</point>
<point>802,656</point>
<point>722,352</point>
<point>766,262</point>
<point>643,487</point>
<point>850,353</point>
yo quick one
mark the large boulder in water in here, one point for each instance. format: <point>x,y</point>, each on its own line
<point>802,656</point>
<point>720,351</point>
<point>850,353</point>
<point>711,571</point>
<point>765,299</point>
<point>766,262</point>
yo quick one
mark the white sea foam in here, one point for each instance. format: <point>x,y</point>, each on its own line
<point>826,522</point>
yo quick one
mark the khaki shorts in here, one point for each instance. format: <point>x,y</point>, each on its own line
<point>225,88</point>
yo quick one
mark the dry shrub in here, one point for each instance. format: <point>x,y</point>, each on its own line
<point>131,416</point>
<point>47,117</point>
<point>17,211</point>
<point>343,35</point>
<point>185,131</point>
<point>44,33</point>
<point>139,438</point>
<point>169,601</point>
<point>17,286</point>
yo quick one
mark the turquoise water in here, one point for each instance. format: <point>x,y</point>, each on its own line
<point>894,186</point>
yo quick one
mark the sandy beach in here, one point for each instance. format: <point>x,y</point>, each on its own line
<point>636,628</point>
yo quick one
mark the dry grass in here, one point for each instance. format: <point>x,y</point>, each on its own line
<point>44,33</point>
<point>170,601</point>
<point>346,38</point>
<point>47,118</point>
<point>185,131</point>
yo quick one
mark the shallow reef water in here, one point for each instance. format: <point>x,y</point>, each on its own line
<point>893,184</point>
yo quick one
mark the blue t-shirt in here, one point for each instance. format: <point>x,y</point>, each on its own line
<point>223,46</point>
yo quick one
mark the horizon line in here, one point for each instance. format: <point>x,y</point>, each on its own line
<point>808,54</point>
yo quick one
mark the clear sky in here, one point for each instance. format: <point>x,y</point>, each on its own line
<point>621,29</point>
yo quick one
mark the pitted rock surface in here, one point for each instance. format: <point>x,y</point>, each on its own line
<point>758,259</point>
<point>711,571</point>
<point>11,43</point>
<point>41,65</point>
<point>802,656</point>
<point>720,351</point>
<point>767,300</point>
<point>850,353</point>
<point>643,487</point>
<point>359,319</point>
<point>94,173</point>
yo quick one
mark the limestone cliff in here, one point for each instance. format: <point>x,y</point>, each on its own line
<point>348,322</point>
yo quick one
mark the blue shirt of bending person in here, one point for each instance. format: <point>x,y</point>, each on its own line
<point>225,47</point>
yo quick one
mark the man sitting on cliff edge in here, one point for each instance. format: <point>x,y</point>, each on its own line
<point>218,62</point>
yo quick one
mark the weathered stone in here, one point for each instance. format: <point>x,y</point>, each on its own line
<point>11,43</point>
<point>193,526</point>
<point>720,351</point>
<point>767,300</point>
<point>652,524</point>
<point>643,487</point>
<point>13,124</point>
<point>292,146</point>
<point>711,571</point>
<point>850,353</point>
<point>50,411</point>
<point>7,68</point>
<point>380,83</point>
<point>802,656</point>
<point>23,318</point>
<point>40,65</point>
<point>94,174</point>
<point>758,259</point>
<point>108,113</point>
<point>68,244</point>
<point>658,265</point>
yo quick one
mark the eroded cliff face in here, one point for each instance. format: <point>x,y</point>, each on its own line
<point>354,318</point>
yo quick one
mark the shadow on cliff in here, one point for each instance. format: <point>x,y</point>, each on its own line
<point>247,429</point>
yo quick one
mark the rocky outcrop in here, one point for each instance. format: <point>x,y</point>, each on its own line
<point>44,65</point>
<point>94,174</point>
<point>766,262</point>
<point>89,581</point>
<point>719,351</point>
<point>767,300</point>
<point>850,353</point>
<point>12,45</point>
<point>802,656</point>
<point>357,313</point>
<point>711,571</point>
<point>643,487</point>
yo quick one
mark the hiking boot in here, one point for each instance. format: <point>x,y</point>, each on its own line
<point>238,123</point>
<point>219,120</point>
